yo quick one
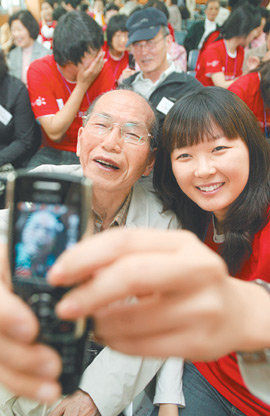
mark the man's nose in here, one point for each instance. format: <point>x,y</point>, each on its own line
<point>204,167</point>
<point>112,140</point>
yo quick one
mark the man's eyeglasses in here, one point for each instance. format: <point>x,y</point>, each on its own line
<point>133,133</point>
<point>147,44</point>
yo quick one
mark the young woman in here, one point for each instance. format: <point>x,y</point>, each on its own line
<point>24,29</point>
<point>254,90</point>
<point>213,170</point>
<point>115,48</point>
<point>222,61</point>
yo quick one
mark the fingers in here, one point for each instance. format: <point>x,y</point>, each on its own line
<point>41,388</point>
<point>16,318</point>
<point>102,249</point>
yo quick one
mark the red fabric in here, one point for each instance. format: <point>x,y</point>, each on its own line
<point>224,374</point>
<point>46,86</point>
<point>210,39</point>
<point>117,66</point>
<point>44,39</point>
<point>171,29</point>
<point>215,59</point>
<point>247,88</point>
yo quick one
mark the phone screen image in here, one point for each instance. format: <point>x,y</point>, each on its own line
<point>42,233</point>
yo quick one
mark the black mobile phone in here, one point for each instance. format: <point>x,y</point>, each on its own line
<point>48,213</point>
<point>131,61</point>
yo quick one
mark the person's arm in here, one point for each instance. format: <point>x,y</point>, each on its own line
<point>56,125</point>
<point>122,377</point>
<point>180,297</point>
<point>219,80</point>
<point>26,135</point>
<point>169,386</point>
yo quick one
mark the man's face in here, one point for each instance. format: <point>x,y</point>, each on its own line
<point>111,163</point>
<point>151,55</point>
<point>212,10</point>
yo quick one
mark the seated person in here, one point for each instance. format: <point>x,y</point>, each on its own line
<point>24,29</point>
<point>199,31</point>
<point>115,50</point>
<point>19,133</point>
<point>47,23</point>
<point>175,18</point>
<point>254,56</point>
<point>254,89</point>
<point>63,85</point>
<point>221,62</point>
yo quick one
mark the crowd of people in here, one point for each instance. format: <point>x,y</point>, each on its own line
<point>102,90</point>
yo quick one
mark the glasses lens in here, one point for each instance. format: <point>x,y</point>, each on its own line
<point>134,133</point>
<point>101,124</point>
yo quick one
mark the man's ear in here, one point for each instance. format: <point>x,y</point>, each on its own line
<point>169,41</point>
<point>151,162</point>
<point>78,150</point>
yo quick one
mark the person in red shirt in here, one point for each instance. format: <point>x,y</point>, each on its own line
<point>47,24</point>
<point>62,86</point>
<point>221,62</point>
<point>115,50</point>
<point>254,90</point>
<point>213,169</point>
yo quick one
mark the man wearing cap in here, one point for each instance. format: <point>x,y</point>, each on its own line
<point>158,79</point>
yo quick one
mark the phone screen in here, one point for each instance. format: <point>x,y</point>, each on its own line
<point>42,232</point>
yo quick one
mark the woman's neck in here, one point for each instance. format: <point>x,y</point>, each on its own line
<point>29,44</point>
<point>115,54</point>
<point>232,44</point>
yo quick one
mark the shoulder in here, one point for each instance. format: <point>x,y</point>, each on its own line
<point>146,210</point>
<point>40,49</point>
<point>44,62</point>
<point>14,86</point>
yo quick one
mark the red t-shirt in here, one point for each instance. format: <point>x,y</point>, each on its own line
<point>224,374</point>
<point>247,88</point>
<point>216,59</point>
<point>49,91</point>
<point>117,65</point>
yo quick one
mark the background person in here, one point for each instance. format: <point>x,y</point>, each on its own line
<point>212,165</point>
<point>221,62</point>
<point>24,29</point>
<point>115,50</point>
<point>254,90</point>
<point>20,135</point>
<point>47,23</point>
<point>62,86</point>
<point>199,31</point>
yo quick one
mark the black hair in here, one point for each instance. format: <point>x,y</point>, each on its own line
<point>264,12</point>
<point>115,24</point>
<point>74,3</point>
<point>111,6</point>
<point>158,5</point>
<point>75,34</point>
<point>3,66</point>
<point>192,120</point>
<point>264,70</point>
<point>28,20</point>
<point>266,28</point>
<point>58,12</point>
<point>211,1</point>
<point>241,21</point>
<point>50,2</point>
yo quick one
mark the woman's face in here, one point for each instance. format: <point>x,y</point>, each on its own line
<point>119,41</point>
<point>212,173</point>
<point>20,34</point>
<point>46,11</point>
<point>251,36</point>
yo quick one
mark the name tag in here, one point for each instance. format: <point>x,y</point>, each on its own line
<point>5,116</point>
<point>164,105</point>
<point>60,103</point>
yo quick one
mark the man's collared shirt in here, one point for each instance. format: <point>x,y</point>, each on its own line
<point>119,219</point>
<point>146,87</point>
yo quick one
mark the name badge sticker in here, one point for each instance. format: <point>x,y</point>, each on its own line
<point>5,116</point>
<point>164,105</point>
<point>60,103</point>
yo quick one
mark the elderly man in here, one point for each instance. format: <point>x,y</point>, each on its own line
<point>158,79</point>
<point>199,31</point>
<point>116,147</point>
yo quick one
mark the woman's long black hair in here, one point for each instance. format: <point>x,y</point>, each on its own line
<point>192,120</point>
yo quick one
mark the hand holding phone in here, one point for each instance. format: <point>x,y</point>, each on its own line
<point>48,214</point>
